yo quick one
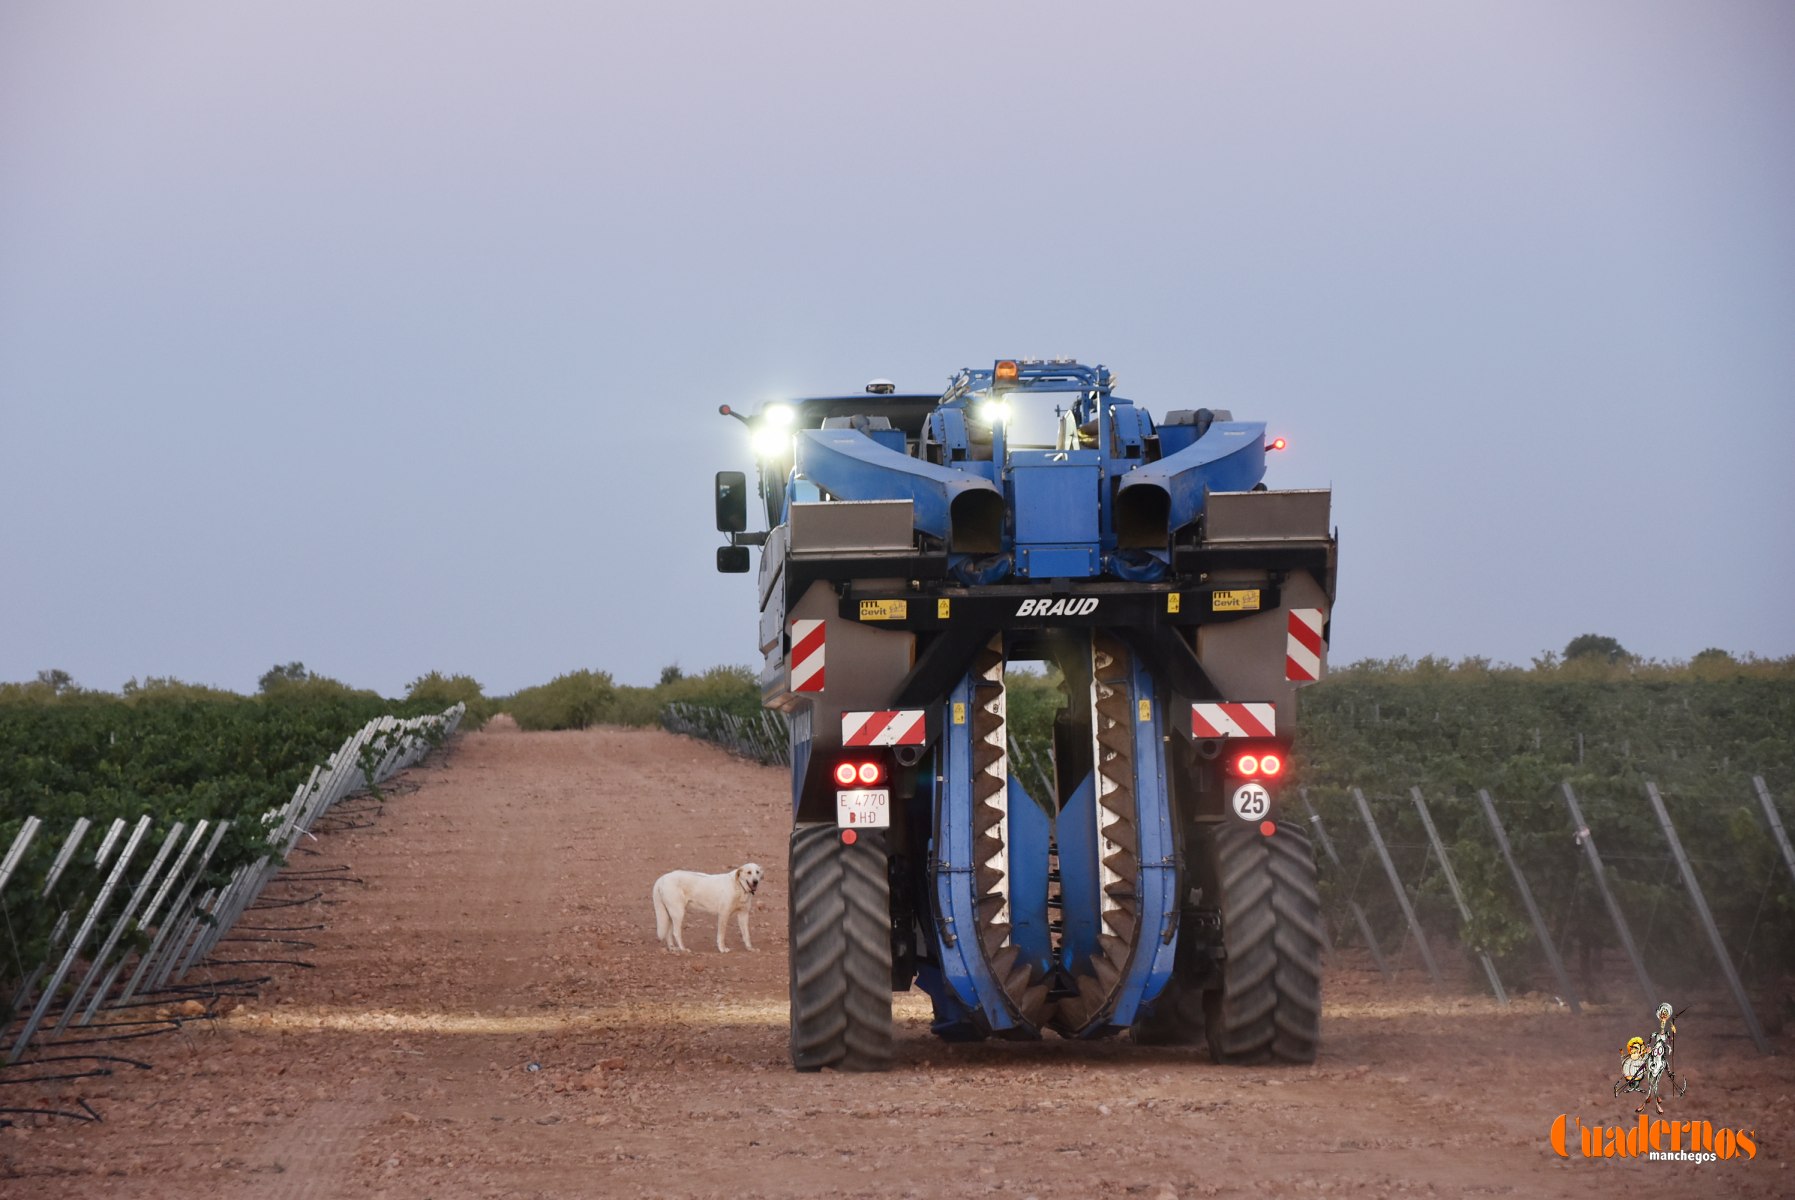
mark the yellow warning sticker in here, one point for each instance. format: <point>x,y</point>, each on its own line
<point>1247,601</point>
<point>886,610</point>
<point>959,713</point>
<point>1146,707</point>
<point>941,609</point>
<point>1172,599</point>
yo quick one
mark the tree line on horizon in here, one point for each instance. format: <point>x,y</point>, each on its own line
<point>585,697</point>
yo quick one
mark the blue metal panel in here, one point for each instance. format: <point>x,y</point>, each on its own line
<point>1174,438</point>
<point>1229,458</point>
<point>1132,428</point>
<point>1077,827</point>
<point>947,427</point>
<point>1030,832</point>
<point>798,727</point>
<point>956,898</point>
<point>891,439</point>
<point>1054,503</point>
<point>1152,963</point>
<point>1053,562</point>
<point>851,466</point>
<point>951,1016</point>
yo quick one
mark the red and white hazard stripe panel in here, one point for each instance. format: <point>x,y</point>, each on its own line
<point>807,656</point>
<point>887,727</point>
<point>1302,651</point>
<point>1233,720</point>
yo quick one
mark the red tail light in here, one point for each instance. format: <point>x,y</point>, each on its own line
<point>1262,760</point>
<point>865,773</point>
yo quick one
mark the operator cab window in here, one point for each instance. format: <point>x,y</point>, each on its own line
<point>1038,420</point>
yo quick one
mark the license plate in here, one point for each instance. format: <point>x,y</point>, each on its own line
<point>867,808</point>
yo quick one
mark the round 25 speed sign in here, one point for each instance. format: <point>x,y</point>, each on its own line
<point>1251,802</point>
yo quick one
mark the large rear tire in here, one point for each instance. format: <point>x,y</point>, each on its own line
<point>840,951</point>
<point>1269,1005</point>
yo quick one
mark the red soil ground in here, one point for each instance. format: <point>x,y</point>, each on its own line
<point>489,1015</point>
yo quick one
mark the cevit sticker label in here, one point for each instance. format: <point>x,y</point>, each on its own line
<point>884,610</point>
<point>1237,601</point>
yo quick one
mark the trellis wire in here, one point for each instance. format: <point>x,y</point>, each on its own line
<point>182,933</point>
<point>1673,865</point>
<point>764,739</point>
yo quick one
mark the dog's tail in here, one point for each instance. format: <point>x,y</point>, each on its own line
<point>663,921</point>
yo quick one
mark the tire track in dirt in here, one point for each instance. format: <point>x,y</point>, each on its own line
<point>504,925</point>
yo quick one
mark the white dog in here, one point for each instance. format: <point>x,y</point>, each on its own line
<point>731,893</point>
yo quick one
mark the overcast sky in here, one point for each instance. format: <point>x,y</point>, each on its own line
<point>389,337</point>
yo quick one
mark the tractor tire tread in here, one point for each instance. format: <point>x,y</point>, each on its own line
<point>840,952</point>
<point>1269,1005</point>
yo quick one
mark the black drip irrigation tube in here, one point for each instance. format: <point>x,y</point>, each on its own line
<point>87,1113</point>
<point>266,904</point>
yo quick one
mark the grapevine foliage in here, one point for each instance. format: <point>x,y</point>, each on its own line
<point>104,757</point>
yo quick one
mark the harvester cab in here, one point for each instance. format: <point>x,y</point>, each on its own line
<point>918,549</point>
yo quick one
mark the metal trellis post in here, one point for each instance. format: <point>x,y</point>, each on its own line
<point>1776,823</point>
<point>1402,897</point>
<point>16,854</point>
<point>1539,922</point>
<point>1458,895</point>
<point>1707,918</point>
<point>1620,921</point>
<point>48,996</point>
<point>1327,846</point>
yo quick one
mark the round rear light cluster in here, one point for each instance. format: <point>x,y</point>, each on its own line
<point>865,773</point>
<point>1267,765</point>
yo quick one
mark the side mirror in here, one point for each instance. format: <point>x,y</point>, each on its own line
<point>732,560</point>
<point>732,505</point>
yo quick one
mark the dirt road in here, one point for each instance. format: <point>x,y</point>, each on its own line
<point>488,1015</point>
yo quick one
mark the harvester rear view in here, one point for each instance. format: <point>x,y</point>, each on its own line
<point>919,548</point>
